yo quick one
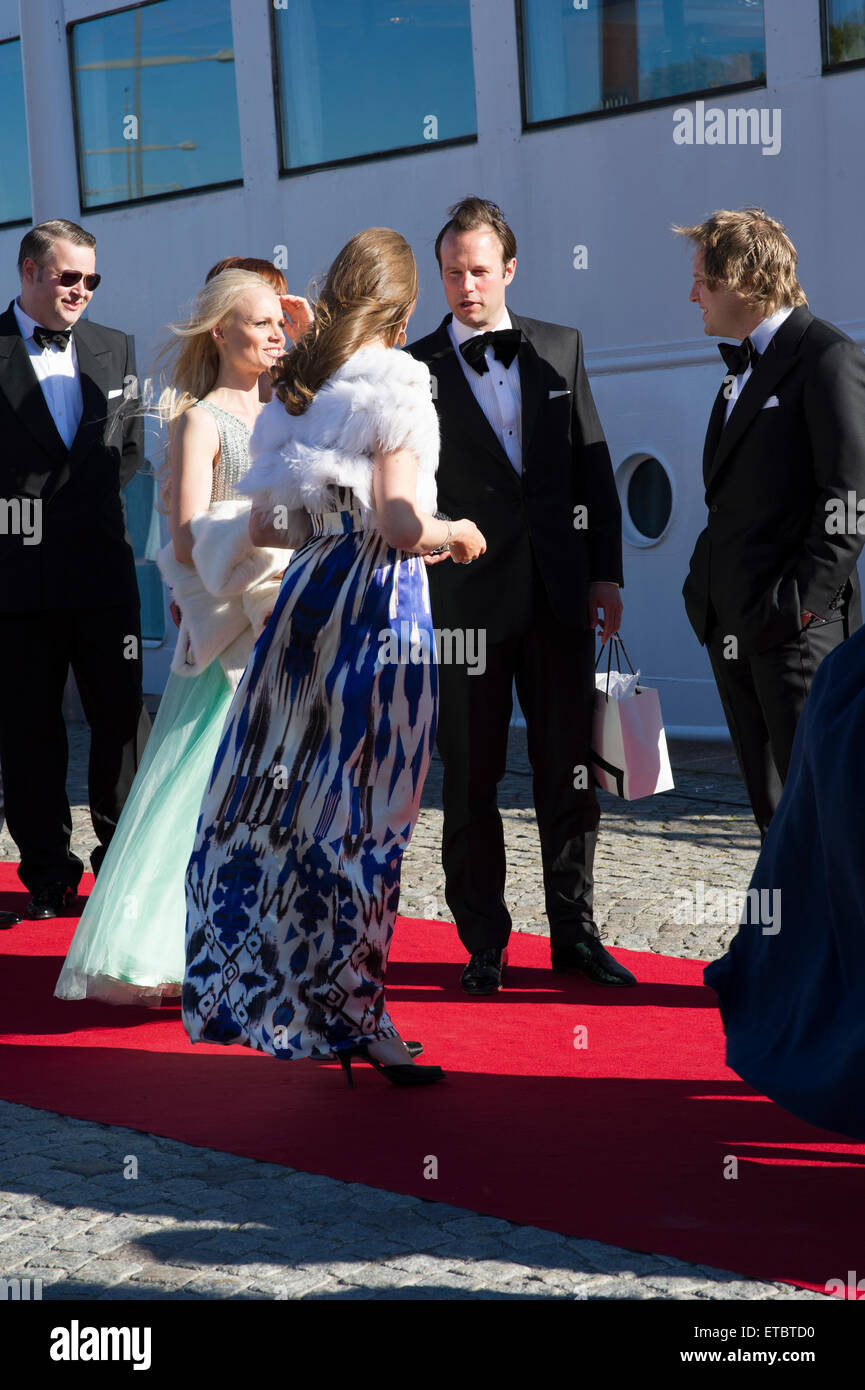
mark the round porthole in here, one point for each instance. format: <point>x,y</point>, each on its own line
<point>646,493</point>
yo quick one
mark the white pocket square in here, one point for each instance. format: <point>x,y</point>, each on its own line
<point>553,394</point>
<point>773,400</point>
<point>118,392</point>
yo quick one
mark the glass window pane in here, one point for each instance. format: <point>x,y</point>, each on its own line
<point>361,77</point>
<point>142,523</point>
<point>845,31</point>
<point>617,53</point>
<point>156,101</point>
<point>650,498</point>
<point>14,169</point>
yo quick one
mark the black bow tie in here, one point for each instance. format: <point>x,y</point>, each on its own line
<point>505,345</point>
<point>45,336</point>
<point>739,356</point>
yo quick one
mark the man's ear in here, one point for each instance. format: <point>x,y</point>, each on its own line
<point>510,270</point>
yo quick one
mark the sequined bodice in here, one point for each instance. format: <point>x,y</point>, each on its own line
<point>233,460</point>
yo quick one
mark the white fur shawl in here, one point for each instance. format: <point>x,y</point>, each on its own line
<point>379,398</point>
<point>225,595</point>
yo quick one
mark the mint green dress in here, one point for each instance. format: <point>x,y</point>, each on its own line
<point>129,946</point>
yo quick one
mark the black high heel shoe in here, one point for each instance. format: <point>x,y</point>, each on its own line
<point>398,1074</point>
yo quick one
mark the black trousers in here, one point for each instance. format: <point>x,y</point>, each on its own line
<point>553,669</point>
<point>763,697</point>
<point>103,648</point>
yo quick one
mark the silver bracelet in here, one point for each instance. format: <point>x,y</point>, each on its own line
<point>445,545</point>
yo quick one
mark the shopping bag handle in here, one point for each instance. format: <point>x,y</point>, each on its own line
<point>619,643</point>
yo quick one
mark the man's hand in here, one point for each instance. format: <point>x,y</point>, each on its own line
<point>607,596</point>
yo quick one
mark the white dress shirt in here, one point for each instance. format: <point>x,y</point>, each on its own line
<point>497,391</point>
<point>58,375</point>
<point>761,337</point>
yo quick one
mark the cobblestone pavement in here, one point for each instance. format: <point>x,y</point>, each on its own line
<point>201,1224</point>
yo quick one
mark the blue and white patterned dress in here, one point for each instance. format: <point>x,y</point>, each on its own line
<point>293,884</point>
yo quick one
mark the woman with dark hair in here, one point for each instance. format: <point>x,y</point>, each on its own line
<point>293,885</point>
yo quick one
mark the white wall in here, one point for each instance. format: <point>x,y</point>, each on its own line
<point>614,184</point>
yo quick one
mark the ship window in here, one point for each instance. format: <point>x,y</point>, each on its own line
<point>155,102</point>
<point>359,79</point>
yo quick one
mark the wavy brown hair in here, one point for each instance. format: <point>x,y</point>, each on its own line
<point>749,252</point>
<point>368,291</point>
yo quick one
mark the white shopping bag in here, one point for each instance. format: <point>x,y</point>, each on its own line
<point>629,746</point>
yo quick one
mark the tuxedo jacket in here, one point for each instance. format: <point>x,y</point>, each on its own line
<point>84,558</point>
<point>528,516</point>
<point>795,440</point>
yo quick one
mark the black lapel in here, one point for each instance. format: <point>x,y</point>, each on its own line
<point>775,363</point>
<point>20,385</point>
<point>531,385</point>
<point>713,433</point>
<point>454,396</point>
<point>94,368</point>
<point>93,374</point>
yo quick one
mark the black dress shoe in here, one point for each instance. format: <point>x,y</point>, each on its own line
<point>483,974</point>
<point>52,900</point>
<point>588,957</point>
<point>9,919</point>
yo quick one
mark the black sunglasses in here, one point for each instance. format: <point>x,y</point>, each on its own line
<point>68,278</point>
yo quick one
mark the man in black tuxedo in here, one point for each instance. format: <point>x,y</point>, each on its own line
<point>524,456</point>
<point>773,587</point>
<point>68,593</point>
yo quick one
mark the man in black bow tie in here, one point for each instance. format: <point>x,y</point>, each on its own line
<point>523,454</point>
<point>68,593</point>
<point>772,586</point>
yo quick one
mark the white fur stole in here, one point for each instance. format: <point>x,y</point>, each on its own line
<point>379,398</point>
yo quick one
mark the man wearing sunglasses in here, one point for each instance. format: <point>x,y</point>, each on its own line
<point>68,592</point>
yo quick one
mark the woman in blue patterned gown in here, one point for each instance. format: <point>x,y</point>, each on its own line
<point>293,884</point>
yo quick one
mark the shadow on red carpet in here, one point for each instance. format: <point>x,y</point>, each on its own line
<point>625,1139</point>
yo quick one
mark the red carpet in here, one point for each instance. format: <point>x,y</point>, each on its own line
<point>624,1140</point>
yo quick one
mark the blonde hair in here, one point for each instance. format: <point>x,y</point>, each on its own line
<point>190,361</point>
<point>748,252</point>
<point>368,292</point>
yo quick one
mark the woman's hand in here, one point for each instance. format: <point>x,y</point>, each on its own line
<point>175,613</point>
<point>297,315</point>
<point>466,544</point>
